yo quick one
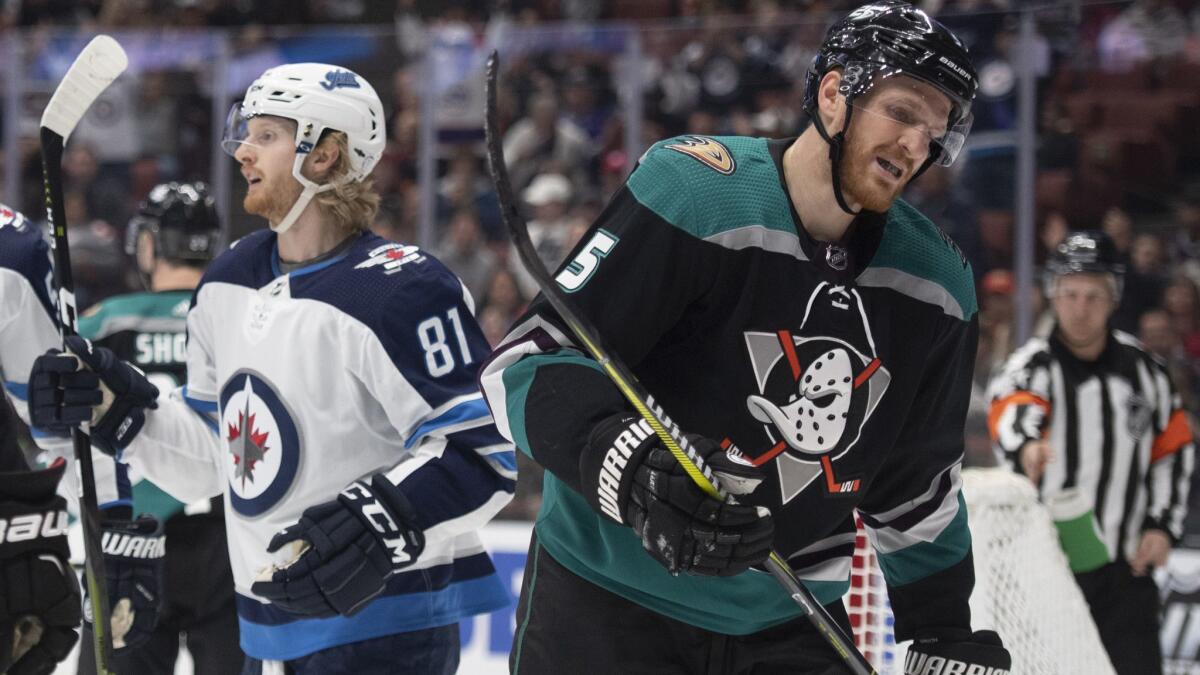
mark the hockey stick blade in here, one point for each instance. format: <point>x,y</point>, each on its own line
<point>625,380</point>
<point>100,62</point>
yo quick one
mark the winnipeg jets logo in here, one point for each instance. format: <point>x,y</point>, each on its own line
<point>247,443</point>
<point>392,257</point>
<point>816,390</point>
<point>262,443</point>
<point>340,78</point>
<point>709,152</point>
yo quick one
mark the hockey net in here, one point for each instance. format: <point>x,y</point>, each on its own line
<point>1023,587</point>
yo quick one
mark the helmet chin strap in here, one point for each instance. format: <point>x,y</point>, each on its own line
<point>311,190</point>
<point>837,144</point>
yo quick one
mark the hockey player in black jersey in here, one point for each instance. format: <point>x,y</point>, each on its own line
<point>817,336</point>
<point>1096,423</point>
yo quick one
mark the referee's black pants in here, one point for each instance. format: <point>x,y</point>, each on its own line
<point>566,624</point>
<point>1126,611</point>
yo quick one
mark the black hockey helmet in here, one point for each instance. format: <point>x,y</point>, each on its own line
<point>1085,252</point>
<point>182,218</point>
<point>882,40</point>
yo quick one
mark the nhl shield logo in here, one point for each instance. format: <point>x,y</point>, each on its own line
<point>262,444</point>
<point>816,390</point>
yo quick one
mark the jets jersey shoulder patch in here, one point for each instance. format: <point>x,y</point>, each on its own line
<point>10,217</point>
<point>391,257</point>
<point>708,151</point>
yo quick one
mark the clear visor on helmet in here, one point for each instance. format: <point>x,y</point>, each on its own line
<point>910,103</point>
<point>259,131</point>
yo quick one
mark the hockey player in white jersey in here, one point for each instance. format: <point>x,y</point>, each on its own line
<point>39,593</point>
<point>337,370</point>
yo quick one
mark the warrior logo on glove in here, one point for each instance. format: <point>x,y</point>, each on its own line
<point>817,391</point>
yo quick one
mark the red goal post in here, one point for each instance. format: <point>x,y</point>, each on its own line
<point>1023,587</point>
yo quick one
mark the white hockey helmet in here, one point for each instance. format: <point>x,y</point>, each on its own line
<point>317,96</point>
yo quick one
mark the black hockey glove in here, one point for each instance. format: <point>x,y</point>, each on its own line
<point>957,651</point>
<point>629,477</point>
<point>109,393</point>
<point>133,566</point>
<point>354,543</point>
<point>39,593</point>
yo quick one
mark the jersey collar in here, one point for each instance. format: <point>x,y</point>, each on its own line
<point>316,264</point>
<point>844,259</point>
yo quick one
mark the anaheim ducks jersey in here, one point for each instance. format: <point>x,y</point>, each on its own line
<point>843,371</point>
<point>299,384</point>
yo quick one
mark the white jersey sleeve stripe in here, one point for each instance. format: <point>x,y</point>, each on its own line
<point>466,415</point>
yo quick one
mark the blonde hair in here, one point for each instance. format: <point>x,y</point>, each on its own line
<point>353,205</point>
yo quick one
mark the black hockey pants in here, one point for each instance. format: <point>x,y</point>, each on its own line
<point>566,624</point>
<point>1126,611</point>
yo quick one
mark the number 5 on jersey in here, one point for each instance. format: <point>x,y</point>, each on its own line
<point>584,264</point>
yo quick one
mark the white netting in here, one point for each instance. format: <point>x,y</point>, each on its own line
<point>1023,587</point>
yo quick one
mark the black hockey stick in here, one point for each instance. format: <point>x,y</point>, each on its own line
<point>100,62</point>
<point>619,373</point>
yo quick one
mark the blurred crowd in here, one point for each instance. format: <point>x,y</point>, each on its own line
<point>1117,118</point>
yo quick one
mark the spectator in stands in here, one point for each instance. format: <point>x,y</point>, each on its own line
<point>585,102</point>
<point>1147,254</point>
<point>614,167</point>
<point>466,186</point>
<point>1054,230</point>
<point>1119,227</point>
<point>1182,301</point>
<point>1186,223</point>
<point>106,193</point>
<point>464,251</point>
<point>98,261</point>
<point>995,342</point>
<point>545,140</point>
<point>157,122</point>
<point>549,195</point>
<point>503,295</point>
<point>703,122</point>
<point>995,322</point>
<point>1146,31</point>
<point>1159,337</point>
<point>1144,281</point>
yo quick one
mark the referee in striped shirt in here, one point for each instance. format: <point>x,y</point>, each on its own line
<point>1095,422</point>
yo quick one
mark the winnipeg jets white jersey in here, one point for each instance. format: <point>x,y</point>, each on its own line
<point>27,329</point>
<point>312,379</point>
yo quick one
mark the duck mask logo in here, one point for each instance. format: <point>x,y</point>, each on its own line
<point>816,390</point>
